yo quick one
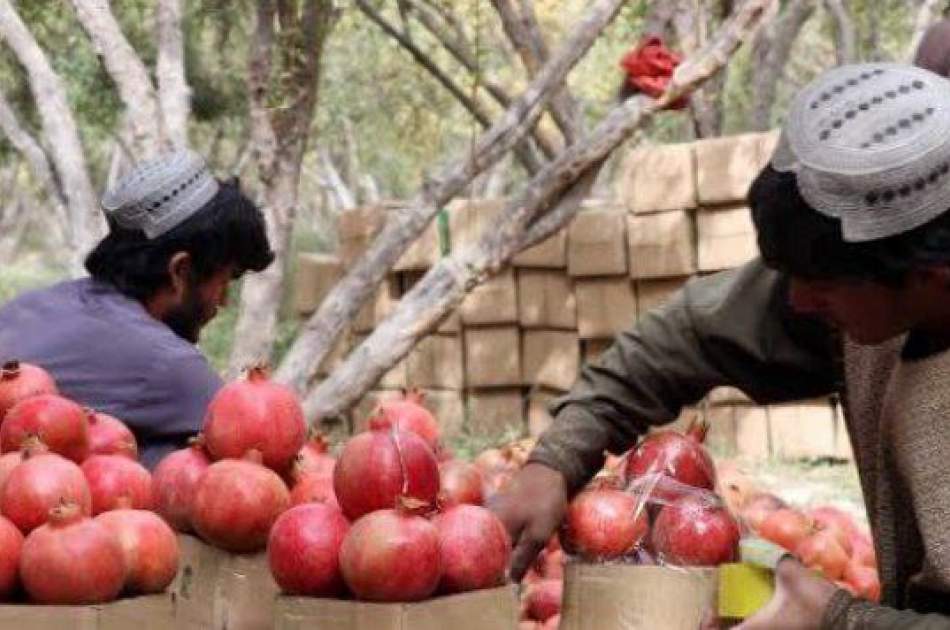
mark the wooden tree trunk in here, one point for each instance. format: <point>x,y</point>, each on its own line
<point>60,132</point>
<point>846,37</point>
<point>283,78</point>
<point>174,94</point>
<point>548,202</point>
<point>339,308</point>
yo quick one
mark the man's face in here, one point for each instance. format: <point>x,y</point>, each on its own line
<point>198,305</point>
<point>869,313</point>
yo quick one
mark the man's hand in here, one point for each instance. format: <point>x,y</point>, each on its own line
<point>531,508</point>
<point>800,600</point>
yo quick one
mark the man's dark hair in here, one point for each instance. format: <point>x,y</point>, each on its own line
<point>228,230</point>
<point>795,238</point>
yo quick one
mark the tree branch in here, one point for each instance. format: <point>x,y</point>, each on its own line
<point>846,37</point>
<point>35,156</point>
<point>557,191</point>
<point>129,73</point>
<point>174,94</point>
<point>402,228</point>
<point>59,131</point>
<point>478,110</point>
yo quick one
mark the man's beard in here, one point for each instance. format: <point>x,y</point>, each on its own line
<point>187,319</point>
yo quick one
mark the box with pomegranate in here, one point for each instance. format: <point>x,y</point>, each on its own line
<point>79,540</point>
<point>661,539</point>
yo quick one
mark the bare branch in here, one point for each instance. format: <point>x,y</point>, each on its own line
<point>475,107</point>
<point>127,70</point>
<point>556,191</point>
<point>59,131</point>
<point>24,142</point>
<point>770,54</point>
<point>402,228</point>
<point>174,94</point>
<point>846,36</point>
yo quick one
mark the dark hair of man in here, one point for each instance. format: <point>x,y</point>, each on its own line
<point>796,239</point>
<point>228,230</point>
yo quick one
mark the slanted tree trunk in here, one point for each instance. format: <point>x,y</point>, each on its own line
<point>547,203</point>
<point>341,305</point>
<point>846,36</point>
<point>60,133</point>
<point>283,78</point>
<point>770,54</point>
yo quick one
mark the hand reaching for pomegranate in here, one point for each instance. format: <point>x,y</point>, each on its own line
<point>800,600</point>
<point>531,508</point>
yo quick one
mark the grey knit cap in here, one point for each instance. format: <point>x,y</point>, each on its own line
<point>870,146</point>
<point>159,194</point>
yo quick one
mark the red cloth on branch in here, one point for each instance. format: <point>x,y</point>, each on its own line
<point>650,66</point>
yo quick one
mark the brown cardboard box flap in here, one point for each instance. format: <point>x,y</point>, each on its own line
<point>150,612</point>
<point>628,597</point>
<point>490,609</point>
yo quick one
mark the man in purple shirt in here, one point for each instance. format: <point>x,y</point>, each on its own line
<point>123,340</point>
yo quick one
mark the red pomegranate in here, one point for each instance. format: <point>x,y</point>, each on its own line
<point>461,482</point>
<point>59,422</point>
<point>255,413</point>
<point>553,622</point>
<point>72,560</point>
<point>408,414</point>
<point>149,546</point>
<point>696,531</point>
<point>822,551</point>
<point>304,550</point>
<point>314,457</point>
<point>378,466</point>
<point>680,457</point>
<point>175,480</point>
<point>864,581</point>
<point>237,502</point>
<point>786,527</point>
<point>112,477</point>
<point>543,599</point>
<point>475,548</point>
<point>9,461</point>
<point>19,380</point>
<point>11,543</point>
<point>42,482</point>
<point>314,489</point>
<point>110,436</point>
<point>391,556</point>
<point>604,523</point>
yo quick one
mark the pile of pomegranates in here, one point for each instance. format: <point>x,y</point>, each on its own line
<point>76,525</point>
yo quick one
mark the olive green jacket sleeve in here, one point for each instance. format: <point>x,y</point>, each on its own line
<point>732,328</point>
<point>844,612</point>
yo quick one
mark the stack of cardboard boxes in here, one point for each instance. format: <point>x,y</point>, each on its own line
<point>518,340</point>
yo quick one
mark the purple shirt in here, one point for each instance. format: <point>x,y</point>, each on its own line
<point>106,352</point>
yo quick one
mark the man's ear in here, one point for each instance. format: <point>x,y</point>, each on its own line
<point>179,271</point>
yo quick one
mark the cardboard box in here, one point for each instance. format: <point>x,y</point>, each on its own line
<point>316,274</point>
<point>661,245</point>
<point>550,358</point>
<point>596,244</point>
<point>357,227</point>
<point>423,253</point>
<point>605,306</point>
<point>436,362</point>
<point>246,593</point>
<point>843,448</point>
<point>652,294</point>
<point>727,166</point>
<point>495,301</point>
<point>149,612</point>
<point>659,178</point>
<point>469,218</point>
<point>802,429</point>
<point>195,585</point>
<point>726,239</point>
<point>539,418</point>
<point>378,307</point>
<point>492,356</point>
<point>727,396</point>
<point>551,253</point>
<point>495,412</point>
<point>489,609</point>
<point>619,596</point>
<point>448,407</point>
<point>546,299</point>
<point>753,437</point>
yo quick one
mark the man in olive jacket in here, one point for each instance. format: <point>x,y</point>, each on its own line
<point>851,295</point>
